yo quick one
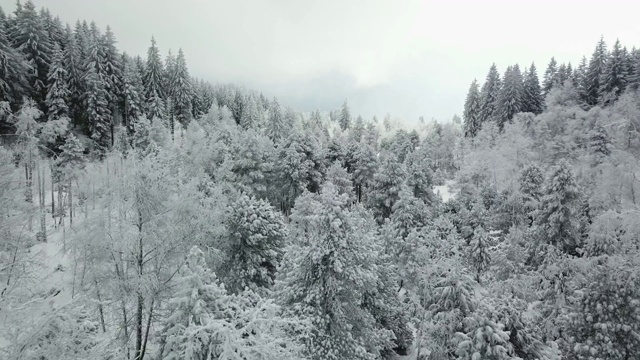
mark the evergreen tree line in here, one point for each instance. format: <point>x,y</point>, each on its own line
<point>599,81</point>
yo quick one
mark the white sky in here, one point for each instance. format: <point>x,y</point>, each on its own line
<point>405,57</point>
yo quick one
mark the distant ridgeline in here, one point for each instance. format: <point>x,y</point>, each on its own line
<point>599,81</point>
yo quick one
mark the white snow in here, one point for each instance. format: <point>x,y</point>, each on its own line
<point>444,191</point>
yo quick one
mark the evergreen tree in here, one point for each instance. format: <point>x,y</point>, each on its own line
<point>112,69</point>
<point>510,96</point>
<point>489,95</point>
<point>254,249</point>
<point>182,90</point>
<point>386,186</point>
<point>532,93</point>
<point>57,87</point>
<point>97,109</point>
<point>581,78</point>
<point>556,218</point>
<point>153,82</point>
<point>484,339</point>
<point>479,252</point>
<point>613,79</point>
<point>275,122</point>
<point>133,92</point>
<point>550,77</point>
<point>330,267</point>
<point>74,70</point>
<point>30,37</point>
<point>14,71</point>
<point>471,112</point>
<point>345,116</point>
<point>634,74</point>
<point>596,68</point>
<point>237,106</point>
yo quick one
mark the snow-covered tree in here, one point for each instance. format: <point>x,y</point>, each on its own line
<point>489,95</point>
<point>153,82</point>
<point>57,92</point>
<point>133,92</point>
<point>510,97</point>
<point>471,112</point>
<point>182,90</point>
<point>254,248</point>
<point>597,65</point>
<point>386,186</point>
<point>345,116</point>
<point>329,268</point>
<point>532,94</point>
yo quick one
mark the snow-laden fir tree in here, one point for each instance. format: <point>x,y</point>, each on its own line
<point>275,122</point>
<point>345,116</point>
<point>14,71</point>
<point>479,257</point>
<point>613,79</point>
<point>549,79</point>
<point>385,187</point>
<point>182,90</point>
<point>420,175</point>
<point>532,93</point>
<point>595,71</point>
<point>153,82</point>
<point>363,163</point>
<point>112,68</point>
<point>484,339</point>
<point>471,112</point>
<point>133,92</point>
<point>73,66</point>
<point>557,214</point>
<point>489,95</point>
<point>207,323</point>
<point>254,247</point>
<point>329,268</point>
<point>58,92</point>
<point>29,36</point>
<point>510,96</point>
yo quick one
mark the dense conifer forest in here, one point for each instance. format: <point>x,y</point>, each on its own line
<point>147,214</point>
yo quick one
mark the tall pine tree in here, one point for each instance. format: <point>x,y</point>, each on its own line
<point>489,95</point>
<point>532,100</point>
<point>471,112</point>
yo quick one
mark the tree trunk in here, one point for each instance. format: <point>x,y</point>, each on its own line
<point>100,308</point>
<point>70,194</point>
<point>140,301</point>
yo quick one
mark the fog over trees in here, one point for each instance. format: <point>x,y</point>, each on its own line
<point>148,214</point>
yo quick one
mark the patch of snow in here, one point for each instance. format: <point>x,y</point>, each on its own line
<point>444,191</point>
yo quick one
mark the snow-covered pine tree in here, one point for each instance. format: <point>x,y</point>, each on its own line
<point>206,323</point>
<point>13,72</point>
<point>133,93</point>
<point>484,339</point>
<point>549,80</point>
<point>489,94</point>
<point>386,186</point>
<point>532,93</point>
<point>556,217</point>
<point>597,65</point>
<point>58,92</point>
<point>613,79</point>
<point>73,66</point>
<point>328,269</point>
<point>471,112</point>
<point>345,116</point>
<point>153,83</point>
<point>29,36</point>
<point>182,90</point>
<point>254,248</point>
<point>275,122</point>
<point>113,70</point>
<point>479,257</point>
<point>510,96</point>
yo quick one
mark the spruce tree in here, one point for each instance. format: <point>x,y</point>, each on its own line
<point>345,116</point>
<point>112,68</point>
<point>329,268</point>
<point>532,93</point>
<point>182,90</point>
<point>471,112</point>
<point>153,82</point>
<point>13,72</point>
<point>74,71</point>
<point>510,97</point>
<point>275,122</point>
<point>30,37</point>
<point>549,79</point>
<point>489,95</point>
<point>133,92</point>
<point>596,68</point>
<point>613,79</point>
<point>581,78</point>
<point>254,249</point>
<point>57,87</point>
<point>634,75</point>
<point>386,186</point>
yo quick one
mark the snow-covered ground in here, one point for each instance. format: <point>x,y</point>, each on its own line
<point>444,191</point>
<point>44,290</point>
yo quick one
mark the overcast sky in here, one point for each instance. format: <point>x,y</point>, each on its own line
<point>408,58</point>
